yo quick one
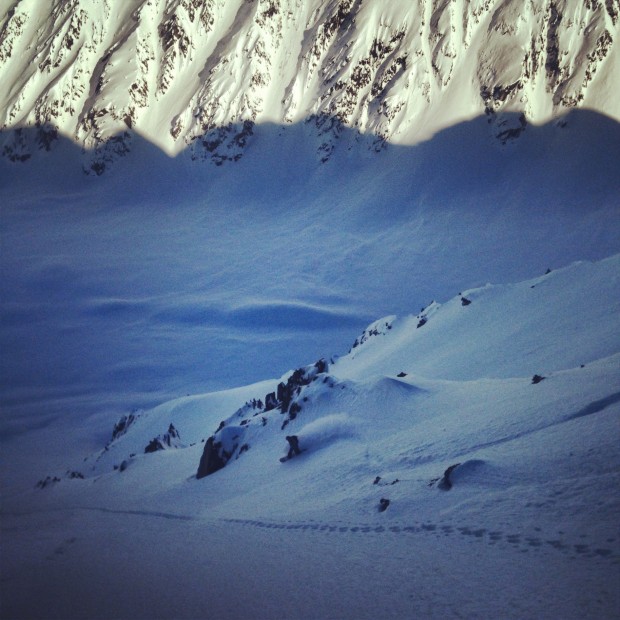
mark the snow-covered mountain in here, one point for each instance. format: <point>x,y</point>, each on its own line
<point>488,424</point>
<point>496,336</point>
<point>493,337</point>
<point>200,75</point>
<point>166,325</point>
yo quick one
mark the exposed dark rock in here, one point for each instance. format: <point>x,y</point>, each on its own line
<point>321,366</point>
<point>512,132</point>
<point>294,410</point>
<point>271,401</point>
<point>254,404</point>
<point>494,96</point>
<point>552,63</point>
<point>210,461</point>
<point>286,392</point>
<point>220,448</point>
<point>46,137</point>
<point>370,332</point>
<point>537,379</point>
<point>383,504</point>
<point>465,301</point>
<point>422,322</point>
<point>47,481</point>
<point>445,484</point>
<point>153,446</point>
<point>378,479</point>
<point>161,442</point>
<point>120,428</point>
<point>401,374</point>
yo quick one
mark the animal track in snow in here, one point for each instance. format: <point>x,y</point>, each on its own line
<point>517,541</point>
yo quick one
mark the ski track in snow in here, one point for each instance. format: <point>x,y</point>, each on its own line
<point>142,513</point>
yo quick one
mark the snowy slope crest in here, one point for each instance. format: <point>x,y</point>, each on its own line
<point>200,75</point>
<point>553,322</point>
<point>491,366</point>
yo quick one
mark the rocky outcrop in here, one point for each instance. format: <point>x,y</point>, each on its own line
<point>445,483</point>
<point>121,427</point>
<point>211,460</point>
<point>378,328</point>
<point>220,448</point>
<point>230,439</point>
<point>171,439</point>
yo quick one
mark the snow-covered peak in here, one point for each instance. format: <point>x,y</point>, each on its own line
<point>199,76</point>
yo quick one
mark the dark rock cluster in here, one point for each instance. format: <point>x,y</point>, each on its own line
<point>374,330</point>
<point>120,428</point>
<point>226,442</point>
<point>162,442</point>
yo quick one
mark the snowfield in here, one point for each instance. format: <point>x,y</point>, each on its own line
<point>502,489</point>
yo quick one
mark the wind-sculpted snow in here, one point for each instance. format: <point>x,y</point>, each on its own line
<point>162,279</point>
<point>201,76</point>
<point>325,430</point>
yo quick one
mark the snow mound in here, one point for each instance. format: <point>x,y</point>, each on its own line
<point>327,430</point>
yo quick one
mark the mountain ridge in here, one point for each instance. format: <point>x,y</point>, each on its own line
<point>200,76</point>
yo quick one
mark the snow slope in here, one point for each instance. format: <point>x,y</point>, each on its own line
<point>165,276</point>
<point>532,509</point>
<point>159,280</point>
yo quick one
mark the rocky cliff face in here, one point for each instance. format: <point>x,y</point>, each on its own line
<point>198,75</point>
